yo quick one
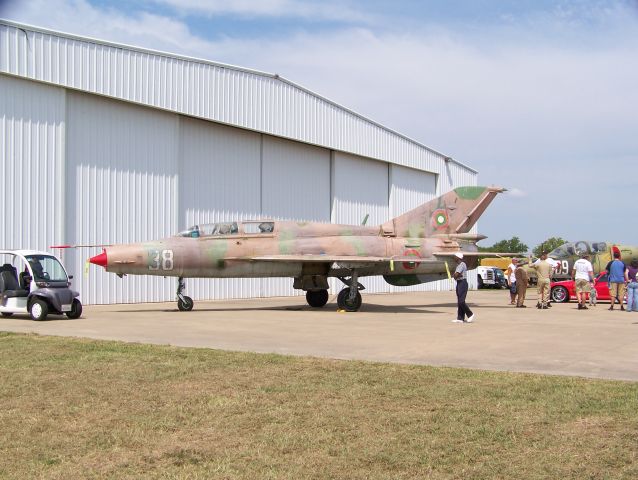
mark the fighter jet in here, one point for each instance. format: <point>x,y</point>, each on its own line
<point>601,253</point>
<point>413,248</point>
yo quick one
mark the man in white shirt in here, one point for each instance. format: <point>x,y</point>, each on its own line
<point>582,273</point>
<point>511,279</point>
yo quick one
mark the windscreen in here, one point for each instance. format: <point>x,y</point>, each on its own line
<point>46,268</point>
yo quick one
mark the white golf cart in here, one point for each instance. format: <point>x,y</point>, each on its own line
<point>41,286</point>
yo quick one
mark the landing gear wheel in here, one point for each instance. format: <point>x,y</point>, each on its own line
<point>76,310</point>
<point>560,294</point>
<point>345,303</point>
<point>38,310</point>
<point>7,314</point>
<point>317,298</point>
<point>185,304</point>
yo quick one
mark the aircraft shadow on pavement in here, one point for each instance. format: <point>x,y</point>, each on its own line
<point>329,308</point>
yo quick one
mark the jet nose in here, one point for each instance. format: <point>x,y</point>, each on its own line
<point>100,259</point>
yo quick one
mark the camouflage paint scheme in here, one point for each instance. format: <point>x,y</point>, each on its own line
<point>410,249</point>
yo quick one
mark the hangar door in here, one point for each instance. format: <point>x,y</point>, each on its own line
<point>121,187</point>
<point>410,188</point>
<point>295,186</point>
<point>31,164</point>
<point>219,181</point>
<point>360,187</point>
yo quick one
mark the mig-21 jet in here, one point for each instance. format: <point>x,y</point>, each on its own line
<point>413,248</point>
<point>600,254</point>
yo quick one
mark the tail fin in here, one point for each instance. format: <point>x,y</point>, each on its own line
<point>452,213</point>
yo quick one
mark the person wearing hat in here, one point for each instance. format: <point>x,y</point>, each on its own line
<point>460,275</point>
<point>544,273</point>
<point>510,273</point>
<point>582,274</point>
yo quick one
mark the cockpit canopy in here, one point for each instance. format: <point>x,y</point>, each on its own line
<point>229,228</point>
<point>578,248</point>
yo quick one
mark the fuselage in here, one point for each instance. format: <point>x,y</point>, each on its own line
<point>238,254</point>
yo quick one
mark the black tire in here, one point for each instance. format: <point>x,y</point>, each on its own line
<point>317,298</point>
<point>186,305</point>
<point>560,294</point>
<point>344,302</point>
<point>480,282</point>
<point>7,314</point>
<point>76,309</point>
<point>38,309</point>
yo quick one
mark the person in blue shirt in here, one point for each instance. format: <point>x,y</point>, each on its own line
<point>616,269</point>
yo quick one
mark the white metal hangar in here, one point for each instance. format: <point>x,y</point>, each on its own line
<point>104,143</point>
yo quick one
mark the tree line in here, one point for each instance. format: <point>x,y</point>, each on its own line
<point>514,245</point>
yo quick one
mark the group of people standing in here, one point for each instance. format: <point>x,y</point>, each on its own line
<point>518,280</point>
<point>622,279</point>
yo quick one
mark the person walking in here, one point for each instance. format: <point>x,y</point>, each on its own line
<point>511,279</point>
<point>544,273</point>
<point>632,286</point>
<point>616,270</point>
<point>582,274</point>
<point>460,275</point>
<point>522,281</point>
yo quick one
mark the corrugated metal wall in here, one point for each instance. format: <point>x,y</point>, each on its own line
<point>360,187</point>
<point>410,188</point>
<point>121,184</point>
<point>219,180</point>
<point>240,97</point>
<point>32,133</point>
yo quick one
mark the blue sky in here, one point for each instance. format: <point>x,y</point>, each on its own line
<point>538,96</point>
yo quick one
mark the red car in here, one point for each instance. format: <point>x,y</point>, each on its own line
<point>566,290</point>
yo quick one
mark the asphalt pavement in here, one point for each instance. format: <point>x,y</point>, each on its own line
<point>413,328</point>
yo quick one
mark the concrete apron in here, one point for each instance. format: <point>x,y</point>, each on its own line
<point>410,328</point>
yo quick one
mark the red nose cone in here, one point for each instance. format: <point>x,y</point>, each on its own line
<point>99,259</point>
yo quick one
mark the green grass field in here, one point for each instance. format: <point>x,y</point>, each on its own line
<point>84,409</point>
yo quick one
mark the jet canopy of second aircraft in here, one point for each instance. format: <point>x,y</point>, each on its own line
<point>228,228</point>
<point>578,248</point>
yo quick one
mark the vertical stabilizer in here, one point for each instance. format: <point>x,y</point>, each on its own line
<point>454,212</point>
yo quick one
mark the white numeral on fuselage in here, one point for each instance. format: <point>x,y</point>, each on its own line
<point>161,259</point>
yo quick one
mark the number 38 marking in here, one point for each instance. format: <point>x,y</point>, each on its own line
<point>161,259</point>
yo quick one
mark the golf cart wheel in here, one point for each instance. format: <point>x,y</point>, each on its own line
<point>317,298</point>
<point>7,314</point>
<point>560,294</point>
<point>76,309</point>
<point>39,309</point>
<point>344,302</point>
<point>185,305</point>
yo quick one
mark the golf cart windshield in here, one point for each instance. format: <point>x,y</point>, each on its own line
<point>46,268</point>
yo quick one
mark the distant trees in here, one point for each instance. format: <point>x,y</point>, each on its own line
<point>548,245</point>
<point>513,245</point>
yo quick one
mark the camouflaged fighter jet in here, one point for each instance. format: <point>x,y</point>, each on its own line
<point>407,250</point>
<point>601,253</point>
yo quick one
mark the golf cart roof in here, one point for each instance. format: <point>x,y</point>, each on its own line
<point>24,253</point>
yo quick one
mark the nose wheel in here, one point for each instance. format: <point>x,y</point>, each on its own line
<point>184,302</point>
<point>317,298</point>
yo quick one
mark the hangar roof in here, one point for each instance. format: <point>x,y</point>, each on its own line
<point>236,96</point>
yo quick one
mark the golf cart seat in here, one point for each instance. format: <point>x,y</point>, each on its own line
<point>9,286</point>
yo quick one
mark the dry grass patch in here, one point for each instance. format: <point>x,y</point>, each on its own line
<point>89,409</point>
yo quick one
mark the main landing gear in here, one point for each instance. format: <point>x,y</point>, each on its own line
<point>184,303</point>
<point>317,298</point>
<point>349,298</point>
